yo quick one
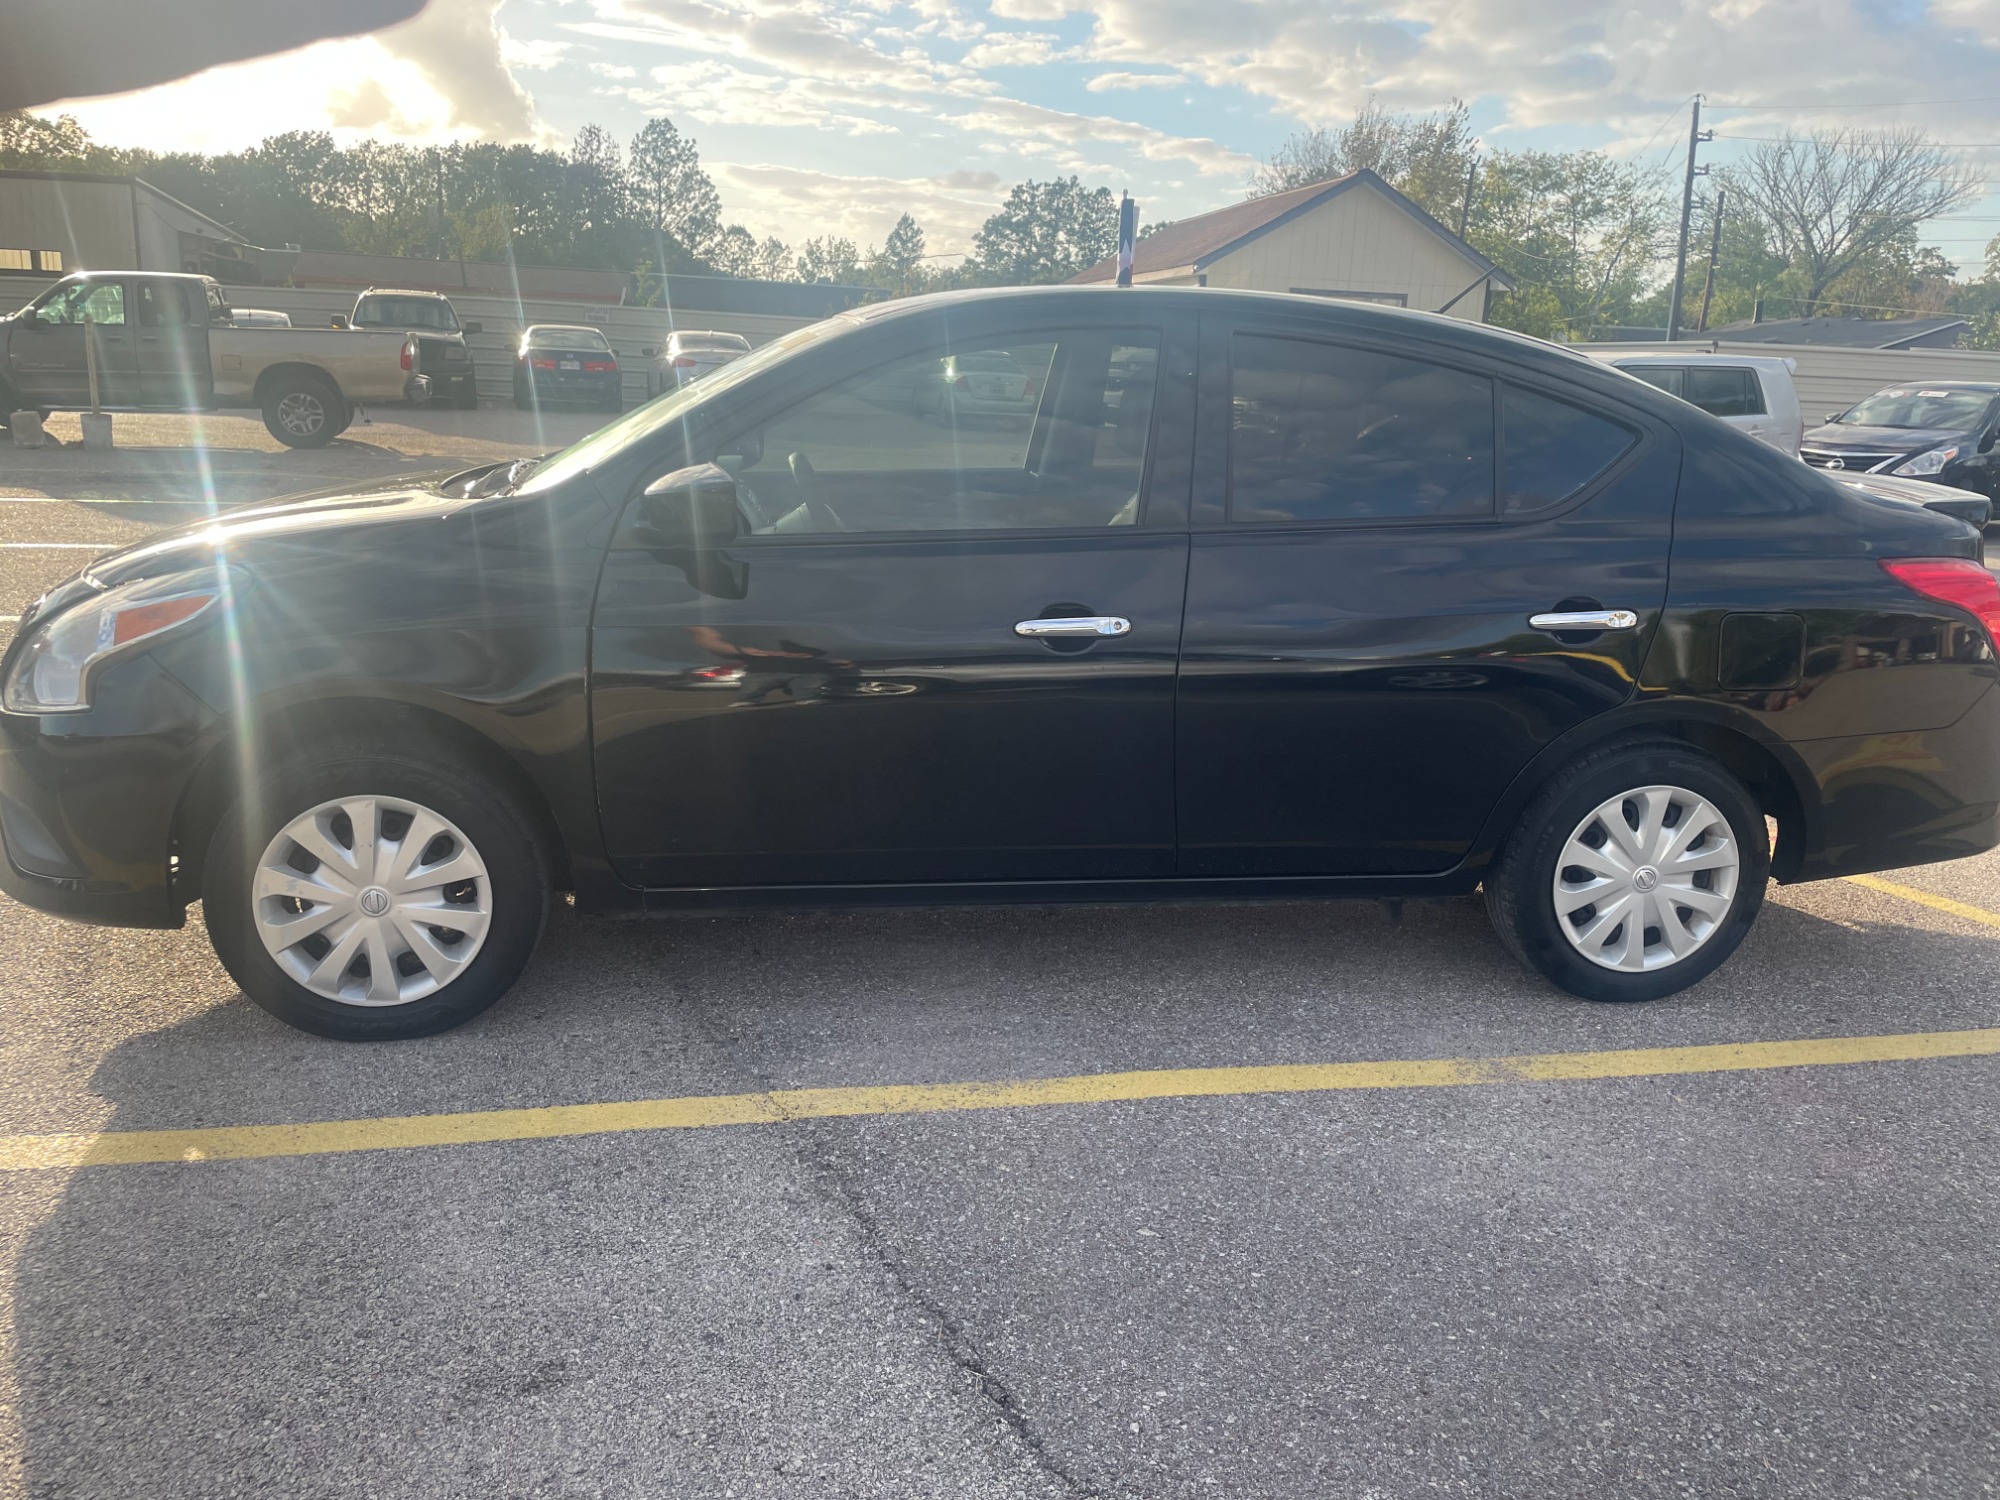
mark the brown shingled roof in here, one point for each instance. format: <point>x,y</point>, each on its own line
<point>1190,244</point>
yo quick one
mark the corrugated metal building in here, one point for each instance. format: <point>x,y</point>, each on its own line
<point>54,222</point>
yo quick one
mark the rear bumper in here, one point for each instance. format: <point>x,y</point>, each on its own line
<point>88,801</point>
<point>1891,800</point>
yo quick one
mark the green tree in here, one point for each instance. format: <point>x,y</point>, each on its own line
<point>1837,201</point>
<point>1580,234</point>
<point>829,259</point>
<point>1428,158</point>
<point>1044,232</point>
<point>674,193</point>
<point>899,265</point>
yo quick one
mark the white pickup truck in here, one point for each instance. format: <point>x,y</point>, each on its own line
<point>168,342</point>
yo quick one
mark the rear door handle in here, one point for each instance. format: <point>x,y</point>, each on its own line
<point>1586,619</point>
<point>1075,625</point>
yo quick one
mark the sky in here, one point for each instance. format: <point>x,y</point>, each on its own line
<point>834,116</point>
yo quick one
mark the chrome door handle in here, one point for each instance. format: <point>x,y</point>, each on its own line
<point>1075,625</point>
<point>1586,619</point>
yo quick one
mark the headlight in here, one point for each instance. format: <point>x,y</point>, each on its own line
<point>1928,463</point>
<point>51,675</point>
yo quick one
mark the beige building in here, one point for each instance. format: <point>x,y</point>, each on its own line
<point>1355,237</point>
<point>56,222</point>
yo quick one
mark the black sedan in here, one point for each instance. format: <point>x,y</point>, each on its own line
<point>1273,598</point>
<point>1945,432</point>
<point>567,362</point>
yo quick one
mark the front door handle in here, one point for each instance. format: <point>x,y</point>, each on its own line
<point>1075,625</point>
<point>1586,619</point>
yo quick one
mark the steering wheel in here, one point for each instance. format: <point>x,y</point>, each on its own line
<point>806,478</point>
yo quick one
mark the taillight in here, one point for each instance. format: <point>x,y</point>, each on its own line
<point>409,354</point>
<point>683,362</point>
<point>964,383</point>
<point>1955,581</point>
<point>1027,390</point>
<point>598,366</point>
<point>543,364</point>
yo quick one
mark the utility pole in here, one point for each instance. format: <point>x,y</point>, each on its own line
<point>1465,207</point>
<point>1714,259</point>
<point>1696,135</point>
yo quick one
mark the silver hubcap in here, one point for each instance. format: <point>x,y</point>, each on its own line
<point>372,901</point>
<point>1647,878</point>
<point>301,413</point>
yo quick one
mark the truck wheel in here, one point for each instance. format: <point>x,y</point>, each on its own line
<point>1635,873</point>
<point>373,894</point>
<point>467,398</point>
<point>304,411</point>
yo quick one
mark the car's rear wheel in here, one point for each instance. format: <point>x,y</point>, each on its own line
<point>304,411</point>
<point>1634,874</point>
<point>524,399</point>
<point>374,895</point>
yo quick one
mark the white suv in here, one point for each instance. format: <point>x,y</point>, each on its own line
<point>1752,393</point>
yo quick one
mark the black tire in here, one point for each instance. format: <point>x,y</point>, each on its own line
<point>467,398</point>
<point>1520,886</point>
<point>304,411</point>
<point>523,399</point>
<point>502,836</point>
<point>615,402</point>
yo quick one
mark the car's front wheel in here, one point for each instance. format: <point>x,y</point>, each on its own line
<point>372,895</point>
<point>1634,874</point>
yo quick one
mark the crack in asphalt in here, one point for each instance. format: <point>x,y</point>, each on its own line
<point>838,1189</point>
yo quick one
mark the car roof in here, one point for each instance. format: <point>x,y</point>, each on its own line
<point>1976,387</point>
<point>402,291</point>
<point>1777,361</point>
<point>682,334</point>
<point>561,328</point>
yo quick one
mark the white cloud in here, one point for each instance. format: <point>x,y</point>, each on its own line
<point>1106,81</point>
<point>1034,10</point>
<point>1056,130</point>
<point>1013,49</point>
<point>718,92</point>
<point>457,44</point>
<point>797,204</point>
<point>537,55</point>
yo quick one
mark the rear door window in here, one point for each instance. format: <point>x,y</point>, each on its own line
<point>1329,432</point>
<point>1552,449</point>
<point>1724,392</point>
<point>1669,378</point>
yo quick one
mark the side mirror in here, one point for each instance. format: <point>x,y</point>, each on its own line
<point>340,320</point>
<point>1832,417</point>
<point>648,352</point>
<point>690,509</point>
<point>472,328</point>
<point>30,318</point>
<point>1992,436</point>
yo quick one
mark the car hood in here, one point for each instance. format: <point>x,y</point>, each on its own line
<point>319,512</point>
<point>1838,437</point>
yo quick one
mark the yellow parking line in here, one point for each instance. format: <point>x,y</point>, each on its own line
<point>1977,914</point>
<point>23,1153</point>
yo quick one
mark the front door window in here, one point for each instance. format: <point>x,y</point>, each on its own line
<point>1037,431</point>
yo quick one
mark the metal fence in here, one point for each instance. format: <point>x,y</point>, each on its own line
<point>501,320</point>
<point>1831,380</point>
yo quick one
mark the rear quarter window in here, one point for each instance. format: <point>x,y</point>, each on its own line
<point>1551,450</point>
<point>1725,392</point>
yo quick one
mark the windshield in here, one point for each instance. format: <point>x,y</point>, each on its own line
<point>707,343</point>
<point>642,422</point>
<point>563,338</point>
<point>1916,406</point>
<point>404,312</point>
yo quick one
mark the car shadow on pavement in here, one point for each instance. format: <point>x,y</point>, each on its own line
<point>340,1325</point>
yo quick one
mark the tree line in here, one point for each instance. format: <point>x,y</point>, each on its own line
<point>1819,224</point>
<point>645,206</point>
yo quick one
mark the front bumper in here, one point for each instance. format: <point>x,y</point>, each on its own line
<point>88,801</point>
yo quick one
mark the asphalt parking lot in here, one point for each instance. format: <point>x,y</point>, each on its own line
<point>1652,1255</point>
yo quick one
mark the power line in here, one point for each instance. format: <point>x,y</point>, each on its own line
<point>1947,145</point>
<point>1885,104</point>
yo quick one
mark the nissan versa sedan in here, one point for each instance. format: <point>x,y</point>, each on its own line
<point>1332,600</point>
<point>566,362</point>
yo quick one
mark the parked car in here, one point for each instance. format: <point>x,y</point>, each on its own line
<point>1752,392</point>
<point>567,362</point>
<point>989,384</point>
<point>258,317</point>
<point>1941,431</point>
<point>1351,602</point>
<point>442,354</point>
<point>169,342</point>
<point>690,354</point>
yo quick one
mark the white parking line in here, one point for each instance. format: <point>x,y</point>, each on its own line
<point>60,546</point>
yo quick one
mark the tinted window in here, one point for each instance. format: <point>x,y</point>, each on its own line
<point>1724,392</point>
<point>163,304</point>
<point>1039,430</point>
<point>1553,449</point>
<point>1321,432</point>
<point>565,338</point>
<point>404,312</point>
<point>1913,406</point>
<point>1668,378</point>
